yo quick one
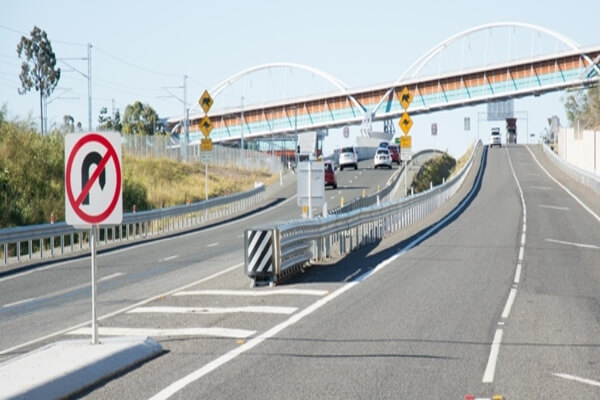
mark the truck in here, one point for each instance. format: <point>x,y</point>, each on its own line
<point>511,130</point>
<point>495,139</point>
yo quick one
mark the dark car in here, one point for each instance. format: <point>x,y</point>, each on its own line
<point>330,179</point>
<point>395,153</point>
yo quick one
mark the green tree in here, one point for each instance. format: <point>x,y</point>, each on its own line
<point>433,171</point>
<point>585,108</point>
<point>68,124</point>
<point>109,123</point>
<point>38,69</point>
<point>139,119</point>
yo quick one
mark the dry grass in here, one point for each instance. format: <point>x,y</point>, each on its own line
<point>462,160</point>
<point>170,183</point>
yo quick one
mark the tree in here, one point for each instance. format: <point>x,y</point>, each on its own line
<point>109,123</point>
<point>584,107</point>
<point>139,119</point>
<point>38,69</point>
<point>68,124</point>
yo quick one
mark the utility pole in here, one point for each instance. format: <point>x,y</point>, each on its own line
<point>186,116</point>
<point>89,76</point>
<point>186,111</point>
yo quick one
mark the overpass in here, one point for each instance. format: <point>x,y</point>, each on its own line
<point>572,67</point>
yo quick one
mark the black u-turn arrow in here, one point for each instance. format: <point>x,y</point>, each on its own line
<point>92,158</point>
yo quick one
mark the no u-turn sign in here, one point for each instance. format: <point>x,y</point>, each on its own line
<point>93,181</point>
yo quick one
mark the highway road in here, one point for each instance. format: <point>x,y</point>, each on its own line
<point>500,298</point>
<point>56,298</point>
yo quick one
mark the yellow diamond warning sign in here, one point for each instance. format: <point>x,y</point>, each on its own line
<point>405,123</point>
<point>405,98</point>
<point>206,126</point>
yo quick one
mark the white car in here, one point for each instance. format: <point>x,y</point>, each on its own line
<point>495,138</point>
<point>348,158</point>
<point>382,158</point>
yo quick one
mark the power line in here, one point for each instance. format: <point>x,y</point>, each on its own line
<point>8,28</point>
<point>134,65</point>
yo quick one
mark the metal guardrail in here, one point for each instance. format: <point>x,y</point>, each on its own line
<point>382,194</point>
<point>276,250</point>
<point>586,178</point>
<point>51,240</point>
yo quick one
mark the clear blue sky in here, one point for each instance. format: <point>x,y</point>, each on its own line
<point>141,47</point>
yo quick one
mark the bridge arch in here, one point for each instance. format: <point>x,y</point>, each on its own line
<point>328,77</point>
<point>418,65</point>
<point>421,62</point>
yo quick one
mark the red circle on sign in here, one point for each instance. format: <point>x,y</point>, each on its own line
<point>111,153</point>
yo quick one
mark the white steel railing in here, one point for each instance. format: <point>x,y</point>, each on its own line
<point>23,244</point>
<point>276,250</point>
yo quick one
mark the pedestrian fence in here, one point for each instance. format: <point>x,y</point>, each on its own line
<point>38,242</point>
<point>177,150</point>
<point>273,251</point>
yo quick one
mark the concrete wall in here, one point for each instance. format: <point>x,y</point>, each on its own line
<point>580,148</point>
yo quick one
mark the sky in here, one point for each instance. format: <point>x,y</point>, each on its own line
<point>141,50</point>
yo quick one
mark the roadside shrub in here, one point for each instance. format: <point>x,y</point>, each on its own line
<point>435,171</point>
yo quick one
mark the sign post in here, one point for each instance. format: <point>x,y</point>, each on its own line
<point>93,190</point>
<point>405,97</point>
<point>206,126</point>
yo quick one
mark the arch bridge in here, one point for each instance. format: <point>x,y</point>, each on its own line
<point>571,67</point>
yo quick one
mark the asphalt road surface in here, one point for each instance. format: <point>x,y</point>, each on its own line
<point>502,297</point>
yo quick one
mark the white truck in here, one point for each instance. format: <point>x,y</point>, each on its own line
<point>495,138</point>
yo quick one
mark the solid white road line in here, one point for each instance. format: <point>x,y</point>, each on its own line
<point>120,311</point>
<point>589,210</point>
<point>149,332</point>
<point>577,379</point>
<point>250,344</point>
<point>582,245</point>
<point>253,293</point>
<point>216,310</point>
<point>206,369</point>
<point>555,207</point>
<point>60,292</point>
<point>490,369</point>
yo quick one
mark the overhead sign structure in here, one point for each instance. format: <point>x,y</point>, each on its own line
<point>206,126</point>
<point>205,101</point>
<point>93,180</point>
<point>405,123</point>
<point>405,98</point>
